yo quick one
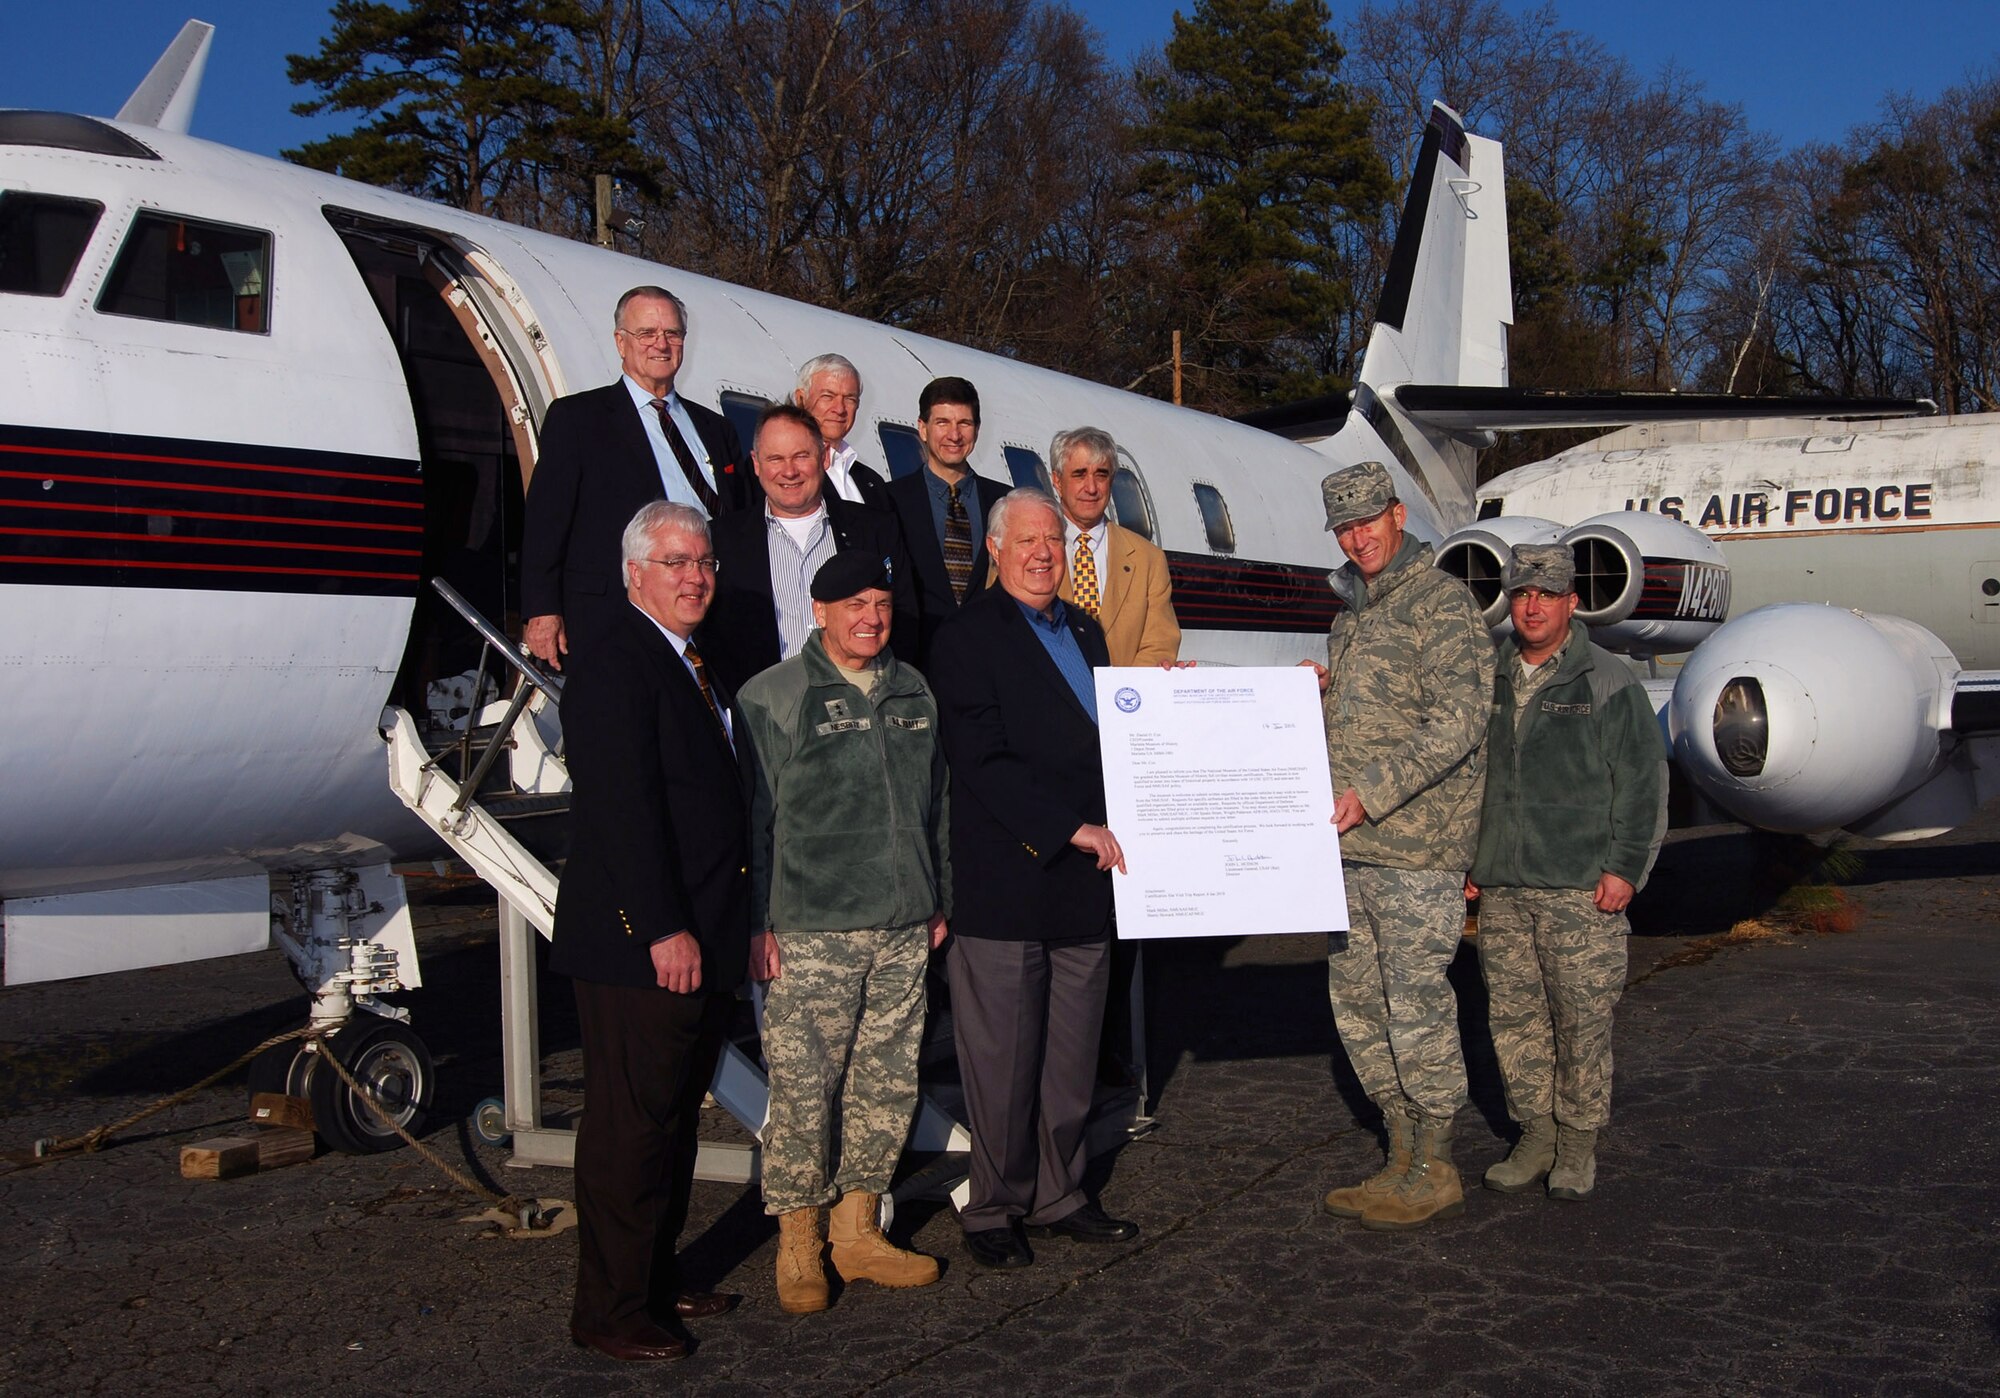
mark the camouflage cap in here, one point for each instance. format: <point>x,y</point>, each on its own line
<point>1357,492</point>
<point>1550,567</point>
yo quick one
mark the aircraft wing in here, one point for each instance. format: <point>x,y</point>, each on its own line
<point>1456,408</point>
<point>1469,409</point>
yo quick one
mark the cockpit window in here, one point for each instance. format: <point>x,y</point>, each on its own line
<point>42,237</point>
<point>191,273</point>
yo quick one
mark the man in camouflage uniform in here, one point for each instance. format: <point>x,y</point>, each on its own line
<point>1408,683</point>
<point>850,885</point>
<point>1576,806</point>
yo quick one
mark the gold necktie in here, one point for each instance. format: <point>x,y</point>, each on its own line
<point>1083,576</point>
<point>701,678</point>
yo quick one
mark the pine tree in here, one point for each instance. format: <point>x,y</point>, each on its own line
<point>1264,160</point>
<point>464,97</point>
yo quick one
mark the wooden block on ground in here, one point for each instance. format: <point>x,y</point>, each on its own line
<point>278,1146</point>
<point>276,1109</point>
<point>219,1158</point>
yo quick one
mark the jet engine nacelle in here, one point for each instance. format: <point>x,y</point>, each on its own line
<point>1647,584</point>
<point>1477,555</point>
<point>1801,717</point>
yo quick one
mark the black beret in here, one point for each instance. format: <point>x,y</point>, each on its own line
<point>848,572</point>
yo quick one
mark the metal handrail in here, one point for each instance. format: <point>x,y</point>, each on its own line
<point>496,644</point>
<point>550,685</point>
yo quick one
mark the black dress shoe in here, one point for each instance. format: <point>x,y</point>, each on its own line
<point>998,1247</point>
<point>702,1305</point>
<point>1087,1224</point>
<point>648,1345</point>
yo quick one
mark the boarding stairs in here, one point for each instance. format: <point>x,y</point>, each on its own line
<point>493,815</point>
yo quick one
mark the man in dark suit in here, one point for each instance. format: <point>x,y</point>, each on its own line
<point>606,452</point>
<point>652,926</point>
<point>830,389</point>
<point>1031,861</point>
<point>767,557</point>
<point>943,508</point>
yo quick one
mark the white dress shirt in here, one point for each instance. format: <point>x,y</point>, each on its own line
<point>840,471</point>
<point>671,475</point>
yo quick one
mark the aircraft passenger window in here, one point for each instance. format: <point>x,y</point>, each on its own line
<point>902,449</point>
<point>191,273</point>
<point>1130,504</point>
<point>41,240</point>
<point>743,410</point>
<point>1215,518</point>
<point>1025,467</point>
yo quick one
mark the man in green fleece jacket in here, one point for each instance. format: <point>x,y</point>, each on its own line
<point>1576,807</point>
<point>850,886</point>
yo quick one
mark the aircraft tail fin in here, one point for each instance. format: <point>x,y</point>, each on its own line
<point>165,97</point>
<point>1448,296</point>
<point>1447,302</point>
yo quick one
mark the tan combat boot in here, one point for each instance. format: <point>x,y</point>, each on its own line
<point>1430,1189</point>
<point>1352,1200</point>
<point>1575,1172</point>
<point>801,1276</point>
<point>1530,1159</point>
<point>862,1253</point>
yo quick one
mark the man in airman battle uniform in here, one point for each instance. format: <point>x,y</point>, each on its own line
<point>1407,687</point>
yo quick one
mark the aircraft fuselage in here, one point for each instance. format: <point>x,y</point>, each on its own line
<point>1887,516</point>
<point>220,485</point>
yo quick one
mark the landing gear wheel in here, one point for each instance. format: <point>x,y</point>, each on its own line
<point>392,1066</point>
<point>489,1122</point>
<point>282,1068</point>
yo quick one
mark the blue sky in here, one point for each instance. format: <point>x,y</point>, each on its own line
<point>1803,70</point>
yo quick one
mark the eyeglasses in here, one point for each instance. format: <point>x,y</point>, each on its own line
<point>654,337</point>
<point>681,562</point>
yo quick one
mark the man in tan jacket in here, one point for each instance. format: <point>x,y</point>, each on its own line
<point>1115,575</point>
<point>1121,579</point>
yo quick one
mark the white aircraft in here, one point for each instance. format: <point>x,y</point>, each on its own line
<point>1810,711</point>
<point>253,409</point>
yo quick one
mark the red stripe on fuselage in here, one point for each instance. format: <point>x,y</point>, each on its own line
<point>116,563</point>
<point>302,520</point>
<point>203,540</point>
<point>211,489</point>
<point>88,455</point>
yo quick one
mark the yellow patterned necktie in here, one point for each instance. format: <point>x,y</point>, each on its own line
<point>1083,576</point>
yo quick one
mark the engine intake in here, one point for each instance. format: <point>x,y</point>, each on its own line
<point>1477,556</point>
<point>1803,718</point>
<point>1648,584</point>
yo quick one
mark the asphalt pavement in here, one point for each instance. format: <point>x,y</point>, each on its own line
<point>1798,1192</point>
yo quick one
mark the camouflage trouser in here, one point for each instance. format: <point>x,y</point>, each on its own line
<point>1397,1016</point>
<point>1554,968</point>
<point>843,1023</point>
